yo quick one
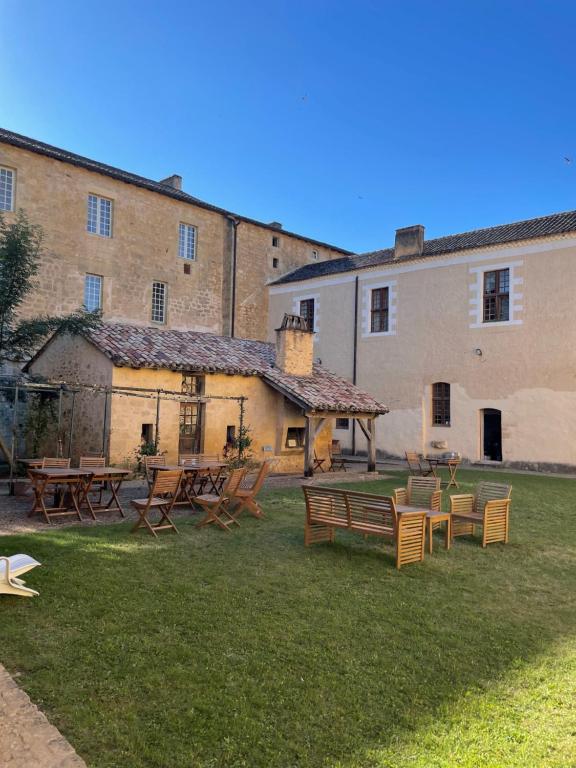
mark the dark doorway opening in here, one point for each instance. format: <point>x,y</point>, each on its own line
<point>492,434</point>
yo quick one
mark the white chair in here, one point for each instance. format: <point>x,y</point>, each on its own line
<point>10,569</point>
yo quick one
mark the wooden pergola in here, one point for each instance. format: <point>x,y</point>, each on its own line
<point>316,421</point>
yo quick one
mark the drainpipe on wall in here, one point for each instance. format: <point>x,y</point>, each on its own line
<point>235,223</point>
<point>355,357</point>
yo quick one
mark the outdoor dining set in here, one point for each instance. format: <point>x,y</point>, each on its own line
<point>200,481</point>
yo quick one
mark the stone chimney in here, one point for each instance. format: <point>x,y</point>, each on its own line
<point>294,346</point>
<point>409,241</point>
<point>275,224</point>
<point>173,181</point>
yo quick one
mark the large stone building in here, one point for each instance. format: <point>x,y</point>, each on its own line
<point>469,339</point>
<point>144,251</point>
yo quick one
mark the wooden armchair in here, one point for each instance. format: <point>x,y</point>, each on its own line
<point>420,492</point>
<point>417,465</point>
<point>489,507</point>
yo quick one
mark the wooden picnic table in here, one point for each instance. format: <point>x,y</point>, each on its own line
<point>113,478</point>
<point>32,463</point>
<point>192,472</point>
<point>65,503</point>
<point>444,461</point>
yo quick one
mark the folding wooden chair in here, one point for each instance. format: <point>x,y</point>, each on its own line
<point>216,505</point>
<point>11,568</point>
<point>246,497</point>
<point>336,457</point>
<point>318,463</point>
<point>417,465</point>
<point>163,494</point>
<point>149,463</point>
<point>48,463</point>
<point>87,462</point>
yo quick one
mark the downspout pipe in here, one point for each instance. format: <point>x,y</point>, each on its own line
<point>355,357</point>
<point>235,223</point>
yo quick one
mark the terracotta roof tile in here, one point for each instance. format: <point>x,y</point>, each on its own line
<point>140,347</point>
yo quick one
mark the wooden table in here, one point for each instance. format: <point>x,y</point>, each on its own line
<point>113,478</point>
<point>432,518</point>
<point>191,473</point>
<point>452,464</point>
<point>31,463</point>
<point>65,503</point>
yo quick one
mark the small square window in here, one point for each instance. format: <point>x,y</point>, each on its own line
<point>275,241</point>
<point>99,216</point>
<point>93,292</point>
<point>275,263</point>
<point>342,423</point>
<point>159,302</point>
<point>6,189</point>
<point>295,437</point>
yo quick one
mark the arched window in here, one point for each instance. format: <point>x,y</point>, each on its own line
<point>441,404</point>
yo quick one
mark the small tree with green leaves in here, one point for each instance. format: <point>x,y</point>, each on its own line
<point>20,252</point>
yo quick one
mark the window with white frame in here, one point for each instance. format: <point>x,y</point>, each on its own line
<point>379,310</point>
<point>496,295</point>
<point>6,189</point>
<point>159,302</point>
<point>308,307</point>
<point>93,292</point>
<point>307,312</point>
<point>379,306</point>
<point>99,219</point>
<point>187,242</point>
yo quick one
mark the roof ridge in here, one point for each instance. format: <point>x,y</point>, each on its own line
<point>65,155</point>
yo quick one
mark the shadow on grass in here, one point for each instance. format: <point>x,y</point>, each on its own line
<point>246,649</point>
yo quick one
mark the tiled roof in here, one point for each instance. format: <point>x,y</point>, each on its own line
<point>545,226</point>
<point>138,347</point>
<point>33,145</point>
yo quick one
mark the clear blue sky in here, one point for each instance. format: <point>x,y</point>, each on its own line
<point>343,120</point>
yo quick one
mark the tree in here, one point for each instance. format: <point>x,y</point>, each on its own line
<point>20,252</point>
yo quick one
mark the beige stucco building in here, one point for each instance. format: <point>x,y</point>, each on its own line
<point>146,252</point>
<point>182,390</point>
<point>468,338</point>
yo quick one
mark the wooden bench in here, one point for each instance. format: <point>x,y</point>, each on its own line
<point>366,513</point>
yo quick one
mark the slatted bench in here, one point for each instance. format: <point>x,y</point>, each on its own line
<point>366,513</point>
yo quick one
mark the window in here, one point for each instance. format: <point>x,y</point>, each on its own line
<point>190,440</point>
<point>159,302</point>
<point>6,189</point>
<point>307,312</point>
<point>92,292</point>
<point>231,435</point>
<point>275,263</point>
<point>99,220</point>
<point>379,311</point>
<point>315,255</point>
<point>187,242</point>
<point>342,423</point>
<point>496,296</point>
<point>295,437</point>
<point>147,434</point>
<point>276,242</point>
<point>441,404</point>
<point>192,384</point>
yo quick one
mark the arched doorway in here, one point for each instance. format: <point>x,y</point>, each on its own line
<point>491,434</point>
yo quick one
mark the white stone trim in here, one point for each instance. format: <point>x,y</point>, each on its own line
<point>367,306</point>
<point>477,292</point>
<point>296,309</point>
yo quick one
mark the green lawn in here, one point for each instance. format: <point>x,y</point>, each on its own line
<point>209,650</point>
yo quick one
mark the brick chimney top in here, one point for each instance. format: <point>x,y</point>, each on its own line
<point>295,346</point>
<point>173,181</point>
<point>409,241</point>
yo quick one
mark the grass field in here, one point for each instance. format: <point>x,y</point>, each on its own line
<point>208,650</point>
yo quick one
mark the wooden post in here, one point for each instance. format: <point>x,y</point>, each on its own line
<point>104,425</point>
<point>58,432</point>
<point>372,445</point>
<point>309,448</point>
<point>71,423</point>
<point>157,432</point>
<point>13,440</point>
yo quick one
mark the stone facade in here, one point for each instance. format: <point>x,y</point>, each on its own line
<point>143,249</point>
<point>522,368</point>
